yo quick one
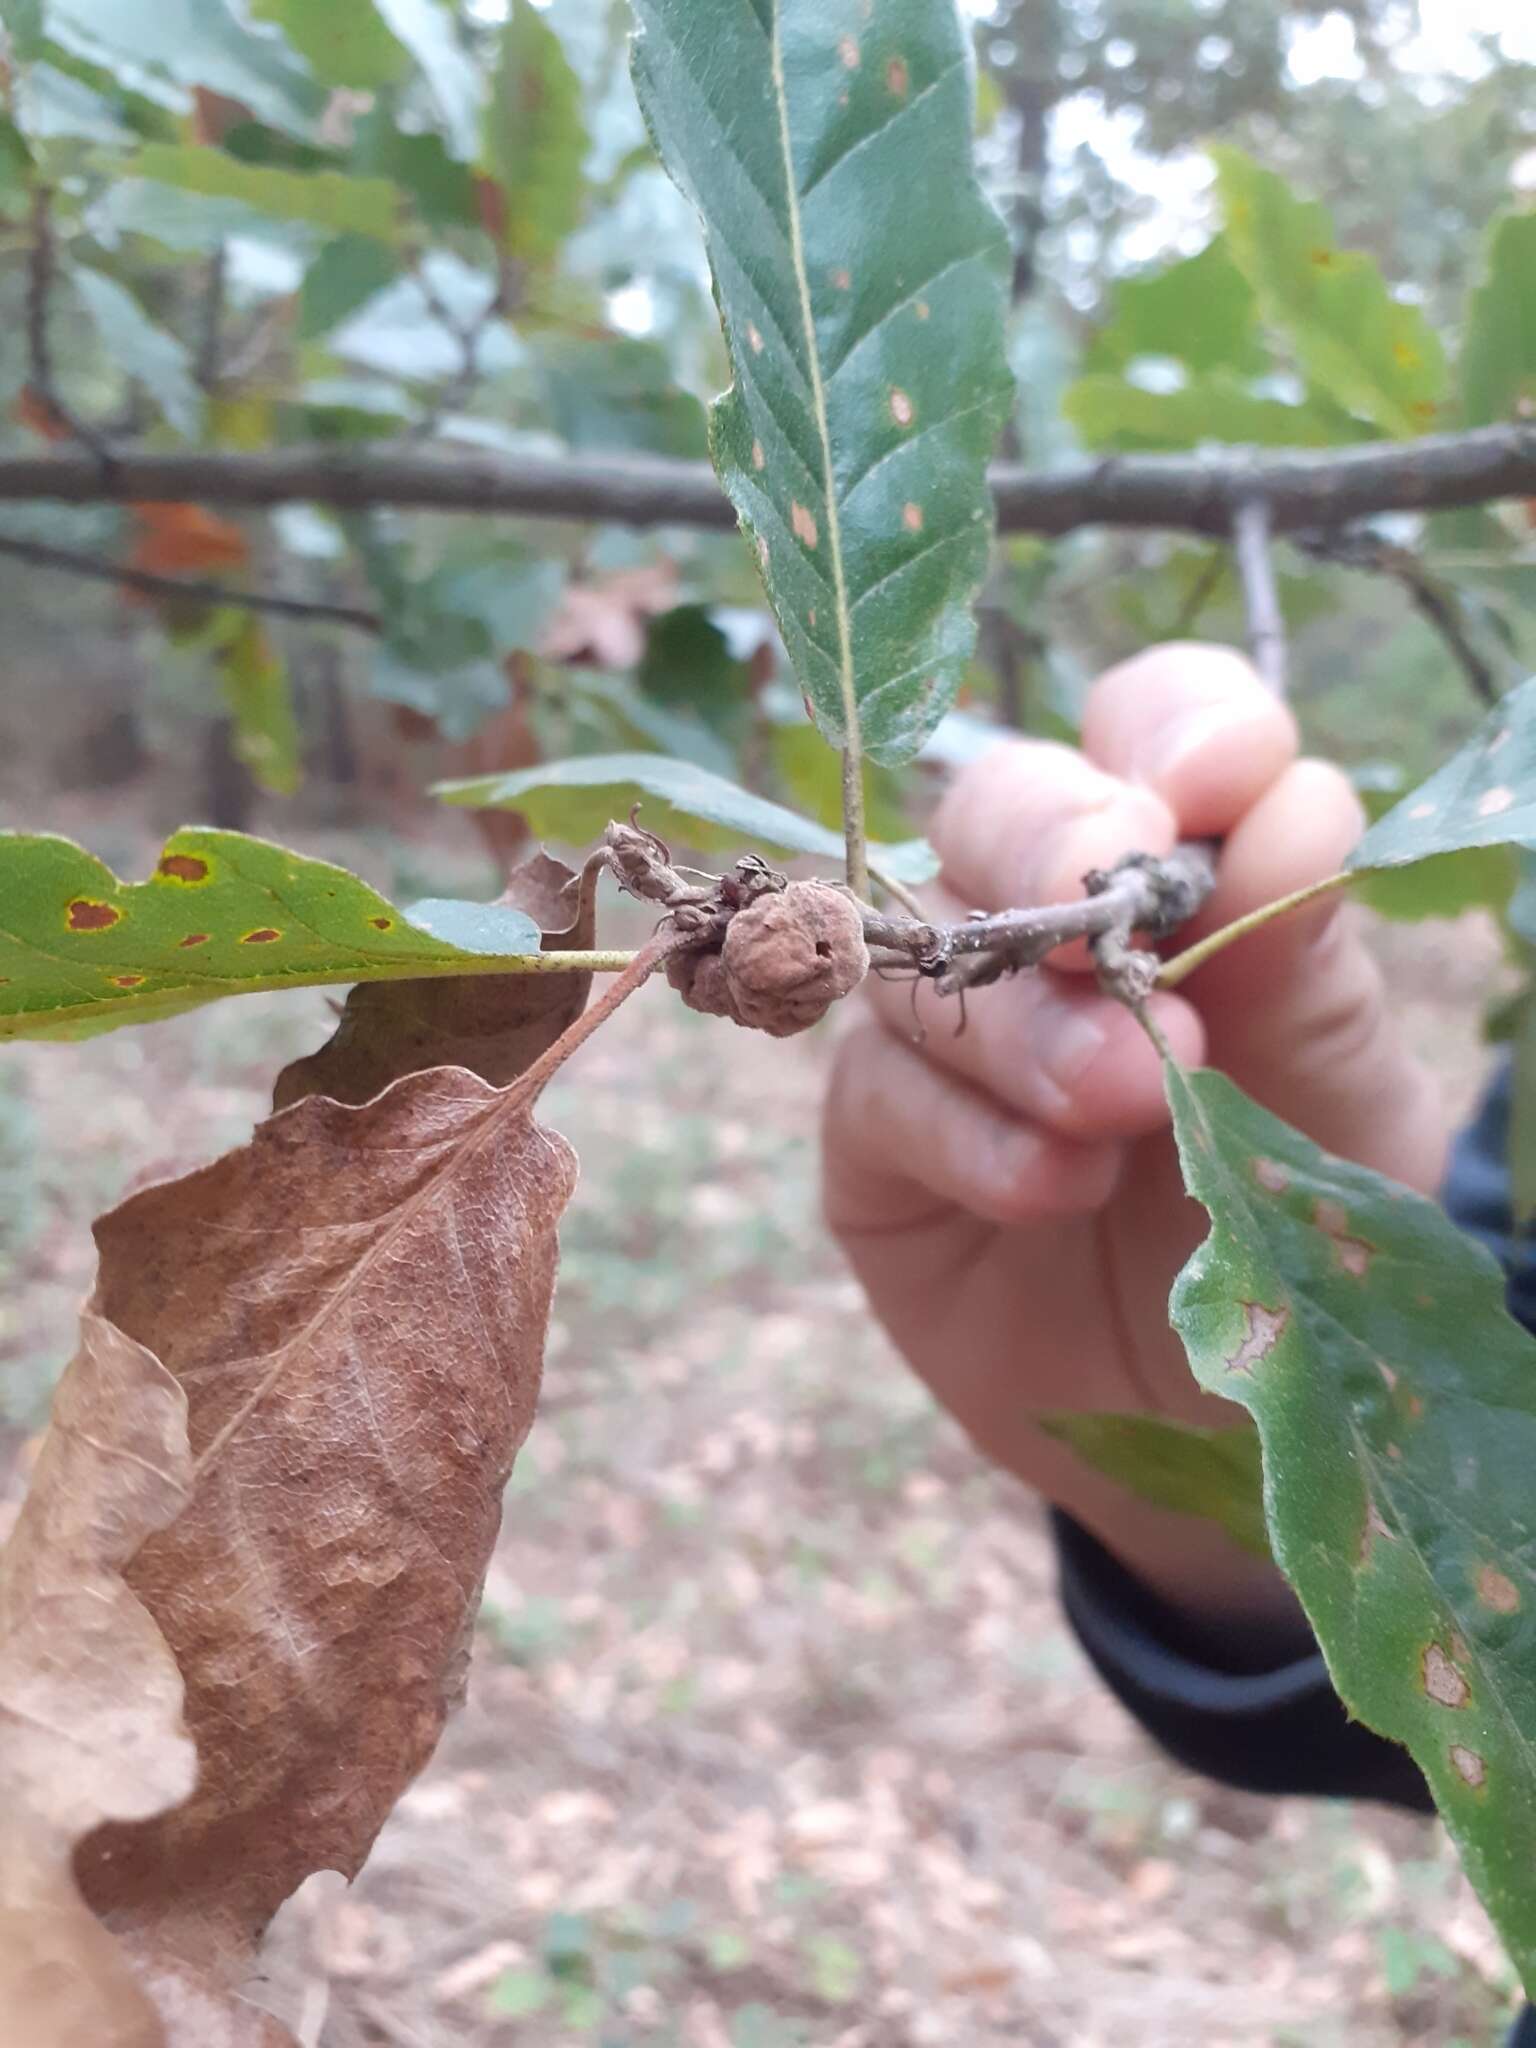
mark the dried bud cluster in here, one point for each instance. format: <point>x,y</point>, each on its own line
<point>787,958</point>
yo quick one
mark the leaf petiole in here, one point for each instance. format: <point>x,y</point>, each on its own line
<point>1184,964</point>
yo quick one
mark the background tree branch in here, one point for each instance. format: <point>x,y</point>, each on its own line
<point>1302,489</point>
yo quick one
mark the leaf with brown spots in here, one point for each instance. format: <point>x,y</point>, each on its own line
<point>495,1026</point>
<point>862,299</point>
<point>349,1315</point>
<point>1483,796</point>
<point>1395,1399</point>
<point>222,914</point>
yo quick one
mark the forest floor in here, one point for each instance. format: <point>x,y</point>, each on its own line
<point>775,1735</point>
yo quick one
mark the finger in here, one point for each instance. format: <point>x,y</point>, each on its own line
<point>1194,724</point>
<point>1048,1047</point>
<point>1025,823</point>
<point>905,1142</point>
<point>1297,1012</point>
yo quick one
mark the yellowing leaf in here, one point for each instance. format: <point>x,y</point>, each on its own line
<point>1372,353</point>
<point>223,914</point>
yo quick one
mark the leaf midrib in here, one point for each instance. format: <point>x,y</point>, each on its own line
<point>847,686</point>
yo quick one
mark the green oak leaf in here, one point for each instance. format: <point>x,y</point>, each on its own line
<point>1200,311</point>
<point>1485,795</point>
<point>1498,354</point>
<point>1395,1399</point>
<point>535,137</point>
<point>1213,1473</point>
<point>573,800</point>
<point>345,275</point>
<point>343,41</point>
<point>861,283</point>
<point>327,199</point>
<point>1109,410</point>
<point>1370,352</point>
<point>1445,885</point>
<point>222,915</point>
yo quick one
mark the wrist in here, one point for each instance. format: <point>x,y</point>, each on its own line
<point>1230,1607</point>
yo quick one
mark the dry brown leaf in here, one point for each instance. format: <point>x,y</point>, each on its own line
<point>91,1722</point>
<point>603,624</point>
<point>494,1024</point>
<point>351,1309</point>
<point>355,1306</point>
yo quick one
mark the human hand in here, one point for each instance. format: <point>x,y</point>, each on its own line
<point>1009,1195</point>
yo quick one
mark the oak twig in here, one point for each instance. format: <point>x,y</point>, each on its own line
<point>1261,595</point>
<point>1435,602</point>
<point>1140,894</point>
<point>195,590</point>
<point>41,275</point>
<point>1303,488</point>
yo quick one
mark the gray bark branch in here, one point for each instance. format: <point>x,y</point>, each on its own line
<point>1183,493</point>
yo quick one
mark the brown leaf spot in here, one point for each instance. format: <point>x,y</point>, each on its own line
<point>759,459</point>
<point>1352,1253</point>
<point>842,280</point>
<point>1374,1527</point>
<point>382,924</point>
<point>1405,354</point>
<point>1492,801</point>
<point>263,936</point>
<point>903,411</point>
<point>897,77</point>
<point>1496,1590</point>
<point>1271,1175</point>
<point>912,517</point>
<point>754,339</point>
<point>1386,1372</point>
<point>921,309</point>
<point>1424,410</point>
<point>1263,1329</point>
<point>1469,1766</point>
<point>127,980</point>
<point>1442,1681</point>
<point>848,52</point>
<point>810,619</point>
<point>762,550</point>
<point>194,939</point>
<point>1322,259</point>
<point>803,523</point>
<point>83,915</point>
<point>182,867</point>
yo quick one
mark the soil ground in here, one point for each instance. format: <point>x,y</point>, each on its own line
<point>775,1735</point>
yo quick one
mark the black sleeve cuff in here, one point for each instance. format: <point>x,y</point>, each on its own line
<point>1280,1730</point>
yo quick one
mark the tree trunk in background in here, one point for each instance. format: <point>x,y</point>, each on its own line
<point>229,794</point>
<point>338,750</point>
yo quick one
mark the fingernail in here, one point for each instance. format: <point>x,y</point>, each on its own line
<point>1190,731</point>
<point>1066,1036</point>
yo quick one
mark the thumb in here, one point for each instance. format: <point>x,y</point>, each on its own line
<point>1297,1012</point>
